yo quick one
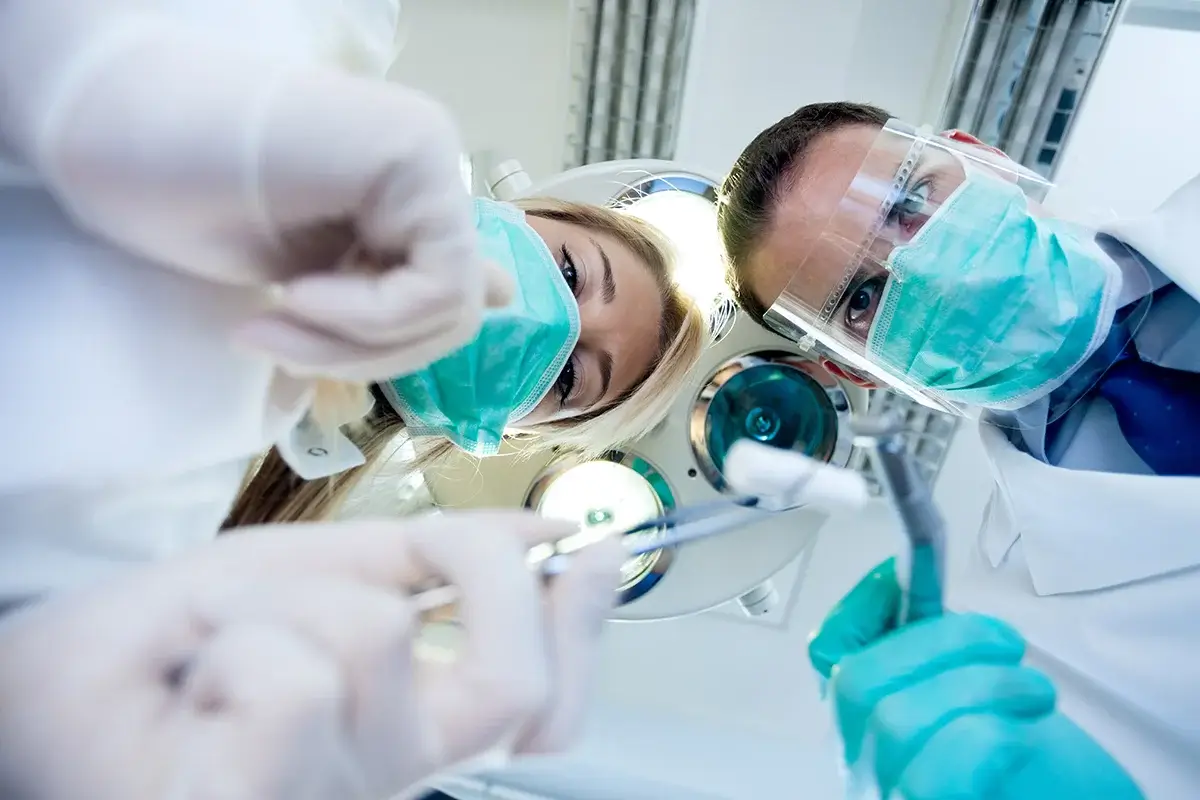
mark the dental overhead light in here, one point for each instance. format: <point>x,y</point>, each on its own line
<point>610,494</point>
<point>684,210</point>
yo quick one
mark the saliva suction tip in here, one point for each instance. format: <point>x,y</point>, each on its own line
<point>784,479</point>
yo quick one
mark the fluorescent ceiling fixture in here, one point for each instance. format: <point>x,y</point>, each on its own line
<point>690,222</point>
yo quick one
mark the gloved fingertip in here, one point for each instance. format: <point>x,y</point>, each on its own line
<point>1028,694</point>
<point>885,570</point>
<point>309,292</point>
<point>1003,633</point>
<point>605,558</point>
<point>499,286</point>
<point>593,575</point>
<point>272,339</point>
<point>819,655</point>
<point>866,613</point>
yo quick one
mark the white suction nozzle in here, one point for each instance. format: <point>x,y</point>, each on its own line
<point>784,479</point>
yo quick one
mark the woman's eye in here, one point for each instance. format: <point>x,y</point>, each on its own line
<point>570,272</point>
<point>565,385</point>
<point>911,206</point>
<point>860,306</point>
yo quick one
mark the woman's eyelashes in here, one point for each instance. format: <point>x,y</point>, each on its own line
<point>568,379</point>
<point>565,385</point>
<point>570,271</point>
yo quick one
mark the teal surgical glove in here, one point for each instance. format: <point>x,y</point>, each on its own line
<point>948,692</point>
<point>864,615</point>
<point>870,610</point>
<point>987,757</point>
<point>941,708</point>
<point>1064,762</point>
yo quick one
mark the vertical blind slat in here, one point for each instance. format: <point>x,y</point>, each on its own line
<point>632,69</point>
<point>1022,71</point>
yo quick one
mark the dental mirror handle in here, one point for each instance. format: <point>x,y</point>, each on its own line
<point>549,560</point>
<point>819,484</point>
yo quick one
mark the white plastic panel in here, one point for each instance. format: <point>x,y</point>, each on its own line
<point>929,438</point>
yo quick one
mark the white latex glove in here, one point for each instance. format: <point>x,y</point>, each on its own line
<point>278,663</point>
<point>206,157</point>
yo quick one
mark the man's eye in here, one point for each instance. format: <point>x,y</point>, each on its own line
<point>911,206</point>
<point>860,306</point>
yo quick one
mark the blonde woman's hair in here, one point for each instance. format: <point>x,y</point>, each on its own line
<point>273,493</point>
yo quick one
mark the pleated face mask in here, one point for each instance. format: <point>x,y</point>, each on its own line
<point>472,395</point>
<point>993,306</point>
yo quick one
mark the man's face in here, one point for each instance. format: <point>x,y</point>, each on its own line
<point>827,243</point>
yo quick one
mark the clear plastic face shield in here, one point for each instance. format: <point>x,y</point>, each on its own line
<point>940,273</point>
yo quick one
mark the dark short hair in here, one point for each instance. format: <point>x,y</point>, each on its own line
<point>766,171</point>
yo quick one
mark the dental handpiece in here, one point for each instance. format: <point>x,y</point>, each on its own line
<point>912,499</point>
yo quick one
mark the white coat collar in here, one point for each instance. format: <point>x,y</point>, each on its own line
<point>1167,238</point>
<point>1085,530</point>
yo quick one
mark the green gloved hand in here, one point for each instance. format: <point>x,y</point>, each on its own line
<point>942,708</point>
<point>862,617</point>
<point>1049,759</point>
<point>870,610</point>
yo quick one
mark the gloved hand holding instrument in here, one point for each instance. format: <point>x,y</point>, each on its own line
<point>281,664</point>
<point>934,705</point>
<point>344,193</point>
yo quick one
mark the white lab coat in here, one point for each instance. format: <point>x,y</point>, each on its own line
<point>1100,571</point>
<point>129,418</point>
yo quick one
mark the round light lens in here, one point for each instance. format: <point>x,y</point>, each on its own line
<point>605,497</point>
<point>774,404</point>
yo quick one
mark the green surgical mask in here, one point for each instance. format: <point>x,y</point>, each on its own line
<point>990,306</point>
<point>472,395</point>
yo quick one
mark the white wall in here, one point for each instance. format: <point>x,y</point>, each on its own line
<point>502,68</point>
<point>755,61</point>
<point>904,55</point>
<point>1135,140</point>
